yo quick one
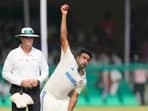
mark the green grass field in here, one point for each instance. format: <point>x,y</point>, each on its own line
<point>101,108</point>
<point>112,108</point>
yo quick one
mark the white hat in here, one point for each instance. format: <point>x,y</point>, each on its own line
<point>21,100</point>
<point>27,32</point>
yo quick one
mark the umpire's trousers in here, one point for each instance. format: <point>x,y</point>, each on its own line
<point>34,93</point>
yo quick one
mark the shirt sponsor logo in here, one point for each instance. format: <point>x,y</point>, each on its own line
<point>72,80</point>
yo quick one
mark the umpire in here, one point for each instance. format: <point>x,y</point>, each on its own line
<point>25,68</point>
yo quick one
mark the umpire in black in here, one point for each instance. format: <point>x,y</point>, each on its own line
<point>25,68</point>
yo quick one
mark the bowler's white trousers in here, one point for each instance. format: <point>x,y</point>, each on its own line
<point>50,103</point>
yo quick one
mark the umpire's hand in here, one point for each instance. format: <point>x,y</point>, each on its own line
<point>29,83</point>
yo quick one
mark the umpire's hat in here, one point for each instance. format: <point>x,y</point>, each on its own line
<point>27,32</point>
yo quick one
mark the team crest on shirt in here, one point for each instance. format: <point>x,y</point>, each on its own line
<point>72,68</point>
<point>81,83</point>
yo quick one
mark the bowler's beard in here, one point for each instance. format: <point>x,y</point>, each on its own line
<point>81,67</point>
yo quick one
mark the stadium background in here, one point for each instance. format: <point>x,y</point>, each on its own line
<point>84,23</point>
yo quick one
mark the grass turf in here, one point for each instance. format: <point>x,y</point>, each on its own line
<point>119,108</point>
<point>113,108</point>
